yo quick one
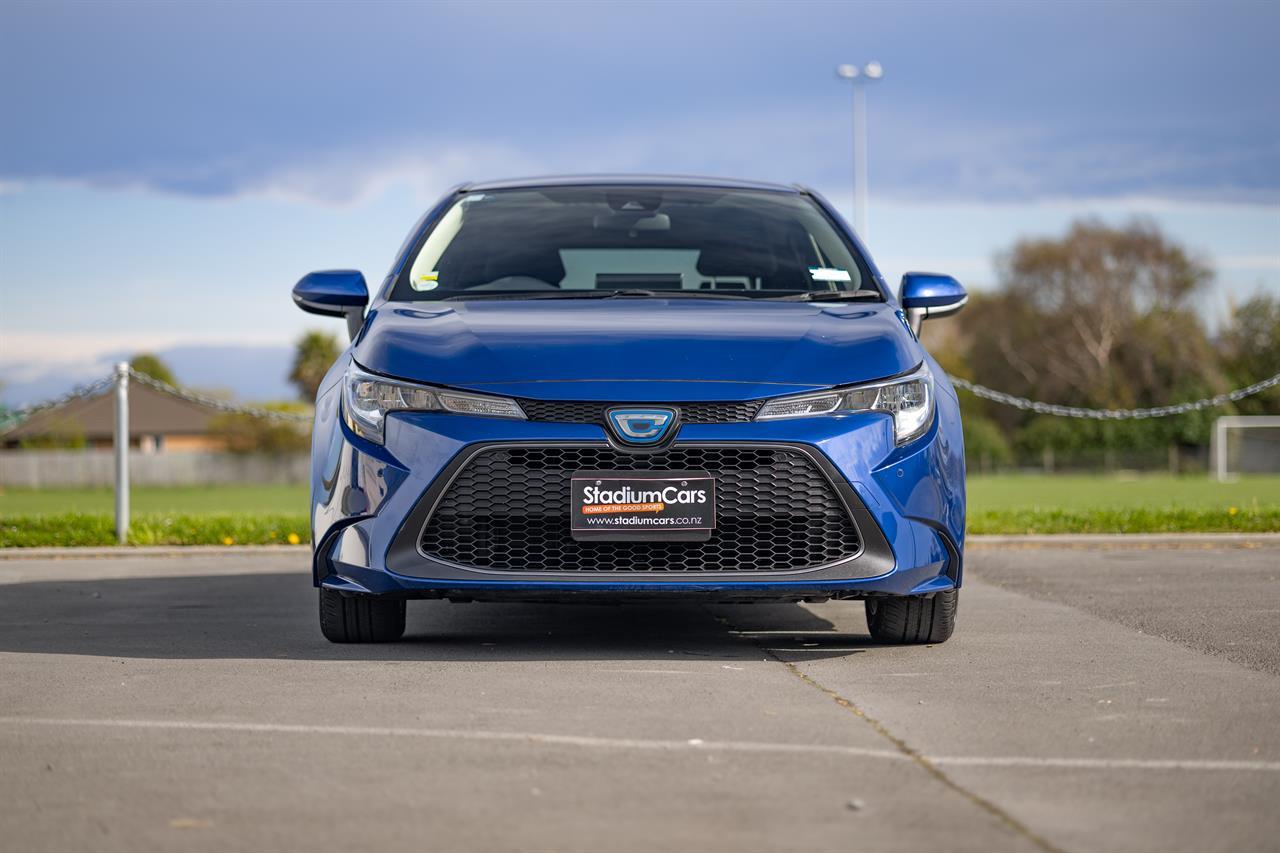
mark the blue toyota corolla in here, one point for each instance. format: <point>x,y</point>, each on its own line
<point>607,388</point>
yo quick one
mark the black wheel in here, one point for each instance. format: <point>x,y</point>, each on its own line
<point>360,618</point>
<point>913,618</point>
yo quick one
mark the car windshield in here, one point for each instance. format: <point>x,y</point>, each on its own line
<point>600,241</point>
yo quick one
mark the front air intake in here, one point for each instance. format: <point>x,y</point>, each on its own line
<point>507,510</point>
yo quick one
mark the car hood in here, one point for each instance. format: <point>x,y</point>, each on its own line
<point>636,349</point>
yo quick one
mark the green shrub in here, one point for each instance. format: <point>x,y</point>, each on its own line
<point>985,446</point>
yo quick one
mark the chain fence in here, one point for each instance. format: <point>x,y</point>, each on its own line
<point>1113,414</point>
<point>215,403</point>
<point>20,414</point>
<point>91,389</point>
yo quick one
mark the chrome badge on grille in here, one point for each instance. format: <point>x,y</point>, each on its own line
<point>641,426</point>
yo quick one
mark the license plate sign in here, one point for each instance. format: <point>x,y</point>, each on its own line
<point>678,506</point>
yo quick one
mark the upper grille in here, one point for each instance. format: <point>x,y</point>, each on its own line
<point>588,412</point>
<point>508,510</point>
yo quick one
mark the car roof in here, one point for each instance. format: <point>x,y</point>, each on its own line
<point>626,180</point>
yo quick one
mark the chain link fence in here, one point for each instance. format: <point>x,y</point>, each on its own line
<point>92,389</point>
<point>1113,414</point>
<point>16,416</point>
<point>97,387</point>
<point>214,403</point>
<point>124,373</point>
<point>1175,458</point>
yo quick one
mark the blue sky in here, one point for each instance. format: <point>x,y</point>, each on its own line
<point>167,171</point>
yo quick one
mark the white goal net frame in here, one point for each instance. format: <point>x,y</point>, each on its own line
<point>1267,449</point>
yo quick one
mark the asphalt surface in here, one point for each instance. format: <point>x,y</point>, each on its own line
<point>1092,699</point>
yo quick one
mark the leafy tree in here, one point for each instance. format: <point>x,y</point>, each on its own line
<point>245,433</point>
<point>1045,432</point>
<point>985,446</point>
<point>1102,317</point>
<point>7,415</point>
<point>1250,346</point>
<point>314,355</point>
<point>149,364</point>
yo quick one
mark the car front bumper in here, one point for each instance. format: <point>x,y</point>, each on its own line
<point>370,503</point>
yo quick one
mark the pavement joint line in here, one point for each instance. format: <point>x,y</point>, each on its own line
<point>929,766</point>
<point>906,750</point>
<point>692,745</point>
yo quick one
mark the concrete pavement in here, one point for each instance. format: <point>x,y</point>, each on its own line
<point>1116,699</point>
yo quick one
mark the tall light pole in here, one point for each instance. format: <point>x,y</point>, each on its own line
<point>859,78</point>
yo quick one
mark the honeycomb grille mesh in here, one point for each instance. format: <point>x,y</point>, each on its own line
<point>587,412</point>
<point>508,510</point>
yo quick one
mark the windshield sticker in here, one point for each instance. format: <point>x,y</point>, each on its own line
<point>829,274</point>
<point>426,281</point>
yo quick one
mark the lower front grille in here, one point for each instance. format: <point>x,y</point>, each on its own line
<point>507,509</point>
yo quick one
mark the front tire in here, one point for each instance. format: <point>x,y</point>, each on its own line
<point>360,618</point>
<point>913,619</point>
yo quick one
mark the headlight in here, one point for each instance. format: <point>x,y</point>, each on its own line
<point>909,399</point>
<point>368,399</point>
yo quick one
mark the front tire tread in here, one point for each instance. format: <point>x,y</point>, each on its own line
<point>913,619</point>
<point>360,618</point>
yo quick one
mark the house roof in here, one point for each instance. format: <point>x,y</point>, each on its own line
<point>151,412</point>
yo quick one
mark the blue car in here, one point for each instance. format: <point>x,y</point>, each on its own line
<point>629,388</point>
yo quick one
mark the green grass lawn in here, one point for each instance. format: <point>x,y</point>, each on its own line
<point>997,504</point>
<point>248,500</point>
<point>1014,503</point>
<point>1157,491</point>
<point>207,515</point>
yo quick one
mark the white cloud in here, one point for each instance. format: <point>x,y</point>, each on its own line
<point>351,178</point>
<point>913,157</point>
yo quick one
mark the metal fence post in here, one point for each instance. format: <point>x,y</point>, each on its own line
<point>1218,449</point>
<point>120,443</point>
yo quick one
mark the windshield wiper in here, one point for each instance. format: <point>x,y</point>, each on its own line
<point>675,294</point>
<point>833,296</point>
<point>595,294</point>
<point>526,294</point>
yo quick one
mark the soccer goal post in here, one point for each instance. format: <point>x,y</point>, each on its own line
<point>1245,444</point>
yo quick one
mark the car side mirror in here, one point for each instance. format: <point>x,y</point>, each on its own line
<point>334,293</point>
<point>927,295</point>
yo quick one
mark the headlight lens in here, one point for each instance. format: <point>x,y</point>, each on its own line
<point>909,399</point>
<point>368,399</point>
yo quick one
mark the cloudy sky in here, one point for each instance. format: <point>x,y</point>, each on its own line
<point>168,171</point>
